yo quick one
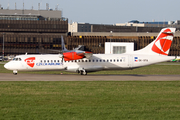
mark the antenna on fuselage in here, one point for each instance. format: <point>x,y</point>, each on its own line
<point>26,53</point>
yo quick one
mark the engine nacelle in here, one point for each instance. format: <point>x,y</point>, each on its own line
<point>72,56</point>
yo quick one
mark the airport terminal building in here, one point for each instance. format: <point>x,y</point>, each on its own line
<point>38,31</point>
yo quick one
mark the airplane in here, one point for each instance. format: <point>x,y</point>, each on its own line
<point>157,51</point>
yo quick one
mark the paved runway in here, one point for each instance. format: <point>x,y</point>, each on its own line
<point>46,77</point>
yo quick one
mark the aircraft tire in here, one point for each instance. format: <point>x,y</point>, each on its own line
<point>84,73</point>
<point>15,73</point>
<point>81,72</point>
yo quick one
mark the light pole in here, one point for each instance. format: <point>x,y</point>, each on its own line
<point>3,46</point>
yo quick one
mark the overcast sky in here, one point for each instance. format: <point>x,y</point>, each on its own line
<point>107,11</point>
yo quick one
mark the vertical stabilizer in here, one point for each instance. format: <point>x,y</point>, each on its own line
<point>63,45</point>
<point>161,45</point>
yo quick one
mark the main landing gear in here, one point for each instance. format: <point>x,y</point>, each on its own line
<point>15,72</point>
<point>82,71</point>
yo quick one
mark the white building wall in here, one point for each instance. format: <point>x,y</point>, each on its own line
<point>73,27</point>
<point>109,46</point>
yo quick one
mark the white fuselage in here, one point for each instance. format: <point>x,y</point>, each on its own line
<point>96,62</point>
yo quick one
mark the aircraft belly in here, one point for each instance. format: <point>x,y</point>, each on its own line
<point>50,68</point>
<point>93,68</point>
<point>115,66</point>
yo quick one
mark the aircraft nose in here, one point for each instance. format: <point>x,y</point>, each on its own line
<point>6,66</point>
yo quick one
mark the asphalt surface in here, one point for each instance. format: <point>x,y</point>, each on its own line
<point>47,77</point>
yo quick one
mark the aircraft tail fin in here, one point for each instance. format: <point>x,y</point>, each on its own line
<point>161,45</point>
<point>63,45</point>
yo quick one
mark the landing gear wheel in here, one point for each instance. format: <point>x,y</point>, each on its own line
<point>84,73</point>
<point>15,72</point>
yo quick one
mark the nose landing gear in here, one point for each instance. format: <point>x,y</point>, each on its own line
<point>15,72</point>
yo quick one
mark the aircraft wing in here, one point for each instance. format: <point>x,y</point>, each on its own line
<point>86,54</point>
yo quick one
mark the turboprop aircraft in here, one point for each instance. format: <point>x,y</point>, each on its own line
<point>157,51</point>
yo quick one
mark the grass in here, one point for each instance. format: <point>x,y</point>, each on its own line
<point>97,100</point>
<point>168,68</point>
<point>90,100</point>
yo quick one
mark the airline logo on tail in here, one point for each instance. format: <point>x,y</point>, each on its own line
<point>30,61</point>
<point>163,42</point>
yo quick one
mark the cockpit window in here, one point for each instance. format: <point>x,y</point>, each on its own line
<point>17,59</point>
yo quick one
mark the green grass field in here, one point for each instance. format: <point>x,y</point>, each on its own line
<point>93,100</point>
<point>90,100</point>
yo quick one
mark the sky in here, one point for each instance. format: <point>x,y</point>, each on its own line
<point>106,11</point>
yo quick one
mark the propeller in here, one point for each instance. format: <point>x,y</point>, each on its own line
<point>62,57</point>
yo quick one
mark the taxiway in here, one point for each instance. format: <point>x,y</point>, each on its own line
<point>90,77</point>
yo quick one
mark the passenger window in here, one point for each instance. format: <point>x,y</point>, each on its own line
<point>16,59</point>
<point>110,60</point>
<point>41,61</point>
<point>47,60</point>
<point>107,60</point>
<point>96,60</point>
<point>44,60</point>
<point>104,61</point>
<point>114,60</point>
<point>79,60</point>
<point>85,60</point>
<point>54,60</point>
<point>117,60</point>
<point>82,60</point>
<point>51,60</point>
<point>92,60</point>
<point>57,60</point>
<point>19,59</point>
<point>120,60</point>
<point>89,60</point>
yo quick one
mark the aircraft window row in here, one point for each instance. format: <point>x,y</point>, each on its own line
<point>50,61</point>
<point>17,59</point>
<point>57,61</point>
<point>98,60</point>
